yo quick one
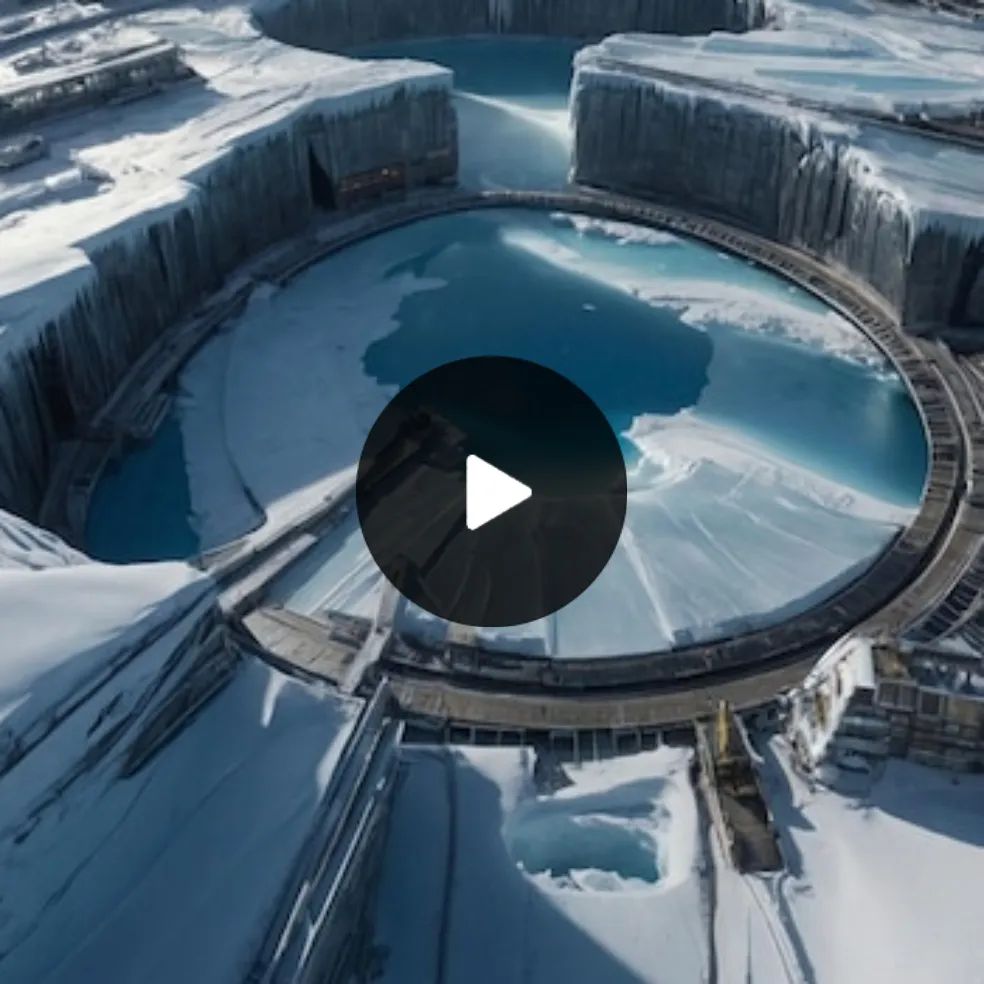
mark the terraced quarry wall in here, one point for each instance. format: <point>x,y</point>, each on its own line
<point>783,176</point>
<point>147,275</point>
<point>340,24</point>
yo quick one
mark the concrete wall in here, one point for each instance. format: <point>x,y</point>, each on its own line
<point>339,24</point>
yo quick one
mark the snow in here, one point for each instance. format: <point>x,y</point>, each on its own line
<point>905,850</point>
<point>70,622</point>
<point>504,926</point>
<point>25,546</point>
<point>172,875</point>
<point>825,57</point>
<point>78,52</point>
<point>67,621</point>
<point>852,652</point>
<point>788,315</point>
<point>156,157</point>
<point>846,666</point>
<point>145,876</point>
<point>904,847</point>
<point>677,443</point>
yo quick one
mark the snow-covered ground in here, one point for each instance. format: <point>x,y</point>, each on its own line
<point>67,621</point>
<point>171,875</point>
<point>111,171</point>
<point>477,809</point>
<point>879,887</point>
<point>861,58</point>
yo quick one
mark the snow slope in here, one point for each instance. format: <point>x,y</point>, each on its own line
<point>881,882</point>
<point>67,620</point>
<point>25,546</point>
<point>170,875</point>
<point>500,926</point>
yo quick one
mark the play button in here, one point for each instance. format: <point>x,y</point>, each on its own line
<point>491,491</point>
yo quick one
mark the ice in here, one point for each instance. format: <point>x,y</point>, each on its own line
<point>685,565</point>
<point>779,313</point>
<point>224,508</point>
<point>723,530</point>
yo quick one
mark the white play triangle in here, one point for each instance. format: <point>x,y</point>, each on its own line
<point>489,492</point>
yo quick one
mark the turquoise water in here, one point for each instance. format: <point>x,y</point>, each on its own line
<point>566,844</point>
<point>850,422</point>
<point>529,71</point>
<point>141,507</point>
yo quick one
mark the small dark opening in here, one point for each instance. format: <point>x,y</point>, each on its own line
<point>971,269</point>
<point>322,187</point>
<point>59,404</point>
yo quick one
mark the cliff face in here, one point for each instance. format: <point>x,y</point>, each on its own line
<point>795,178</point>
<point>339,24</point>
<point>150,274</point>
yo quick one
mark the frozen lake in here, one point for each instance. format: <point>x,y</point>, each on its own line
<point>771,454</point>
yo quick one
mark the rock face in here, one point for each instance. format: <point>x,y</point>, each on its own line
<point>793,178</point>
<point>149,275</point>
<point>339,24</point>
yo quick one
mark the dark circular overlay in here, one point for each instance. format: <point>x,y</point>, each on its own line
<point>538,428</point>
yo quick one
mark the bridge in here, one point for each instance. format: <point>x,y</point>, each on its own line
<point>934,566</point>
